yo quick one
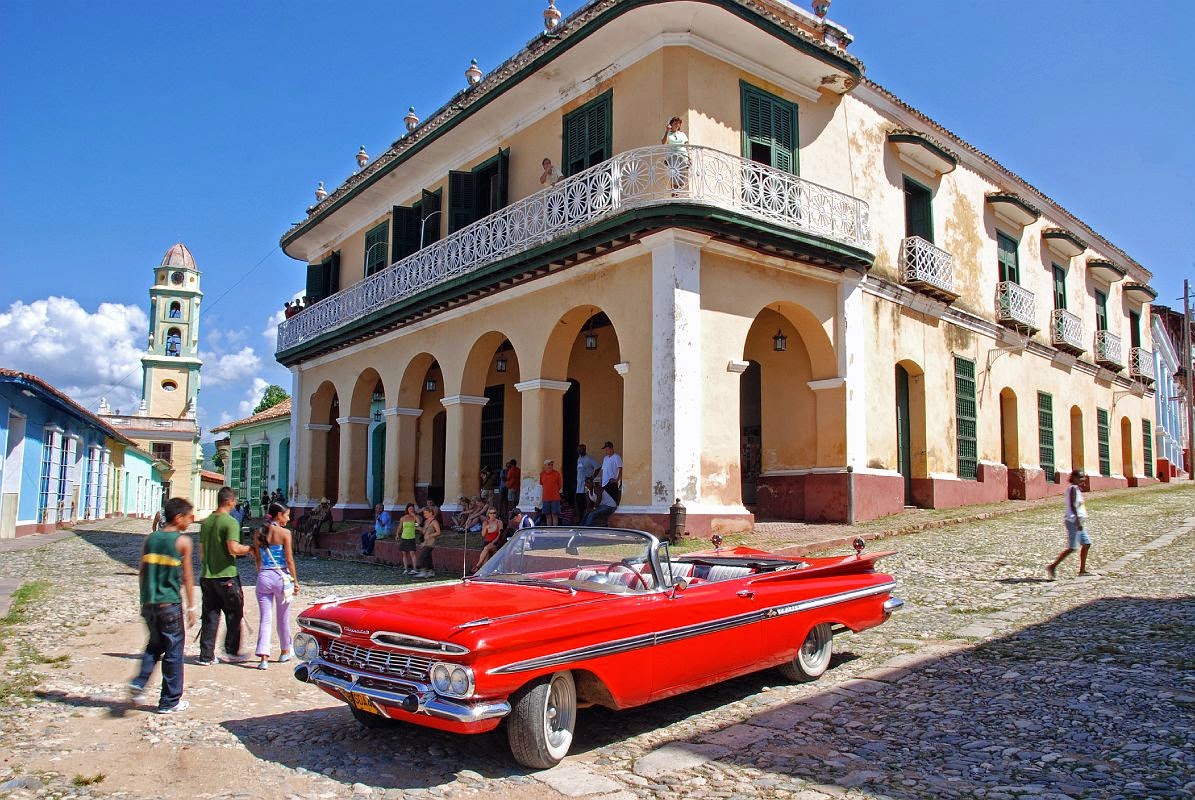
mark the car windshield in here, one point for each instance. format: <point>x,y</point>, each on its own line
<point>587,559</point>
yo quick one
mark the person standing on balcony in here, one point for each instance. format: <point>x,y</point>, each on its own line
<point>678,160</point>
<point>551,174</point>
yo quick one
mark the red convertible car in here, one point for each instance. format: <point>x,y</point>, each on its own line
<point>565,618</point>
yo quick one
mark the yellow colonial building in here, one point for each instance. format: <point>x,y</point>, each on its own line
<point>816,303</point>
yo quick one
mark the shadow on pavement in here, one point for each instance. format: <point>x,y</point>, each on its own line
<point>116,708</point>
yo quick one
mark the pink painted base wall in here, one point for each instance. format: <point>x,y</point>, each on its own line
<point>828,497</point>
<point>1031,484</point>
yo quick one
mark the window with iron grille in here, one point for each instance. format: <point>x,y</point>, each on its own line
<point>1045,435</point>
<point>965,413</point>
<point>493,418</point>
<point>47,500</point>
<point>1147,443</point>
<point>1101,427</point>
<point>163,451</point>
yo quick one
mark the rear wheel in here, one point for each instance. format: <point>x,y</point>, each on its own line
<point>542,717</point>
<point>814,656</point>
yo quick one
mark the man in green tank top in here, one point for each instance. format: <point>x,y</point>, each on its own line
<point>166,597</point>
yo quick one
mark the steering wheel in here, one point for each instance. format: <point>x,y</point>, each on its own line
<point>623,567</point>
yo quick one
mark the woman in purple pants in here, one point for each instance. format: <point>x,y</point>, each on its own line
<point>277,581</point>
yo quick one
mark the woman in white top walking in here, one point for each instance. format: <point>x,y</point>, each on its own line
<point>1076,526</point>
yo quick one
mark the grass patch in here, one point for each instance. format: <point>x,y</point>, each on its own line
<point>26,595</point>
<point>19,680</point>
<point>88,780</point>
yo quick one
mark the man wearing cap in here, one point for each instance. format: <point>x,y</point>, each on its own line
<point>612,472</point>
<point>551,480</point>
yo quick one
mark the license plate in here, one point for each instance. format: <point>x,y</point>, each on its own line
<point>363,703</point>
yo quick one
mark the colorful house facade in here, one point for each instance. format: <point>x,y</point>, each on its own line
<point>819,304</point>
<point>256,453</point>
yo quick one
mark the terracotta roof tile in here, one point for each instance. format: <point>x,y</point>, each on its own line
<point>273,412</point>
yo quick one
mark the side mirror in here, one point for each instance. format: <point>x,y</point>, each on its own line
<point>679,586</point>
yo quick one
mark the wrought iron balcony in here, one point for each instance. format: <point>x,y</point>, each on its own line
<point>927,268</point>
<point>640,178</point>
<point>1014,307</point>
<point>1141,364</point>
<point>1108,352</point>
<point>1066,331</point>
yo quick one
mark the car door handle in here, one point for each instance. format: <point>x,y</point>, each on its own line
<point>745,593</point>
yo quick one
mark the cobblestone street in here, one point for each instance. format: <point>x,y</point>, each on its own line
<point>991,682</point>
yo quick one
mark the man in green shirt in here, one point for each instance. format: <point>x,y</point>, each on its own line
<point>165,564</point>
<point>220,586</point>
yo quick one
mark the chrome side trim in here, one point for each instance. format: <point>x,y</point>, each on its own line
<point>420,701</point>
<point>689,631</point>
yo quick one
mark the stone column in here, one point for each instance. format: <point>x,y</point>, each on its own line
<point>462,447</point>
<point>352,499</point>
<point>851,344</point>
<point>313,476</point>
<point>399,485</point>
<point>293,493</point>
<point>676,368</point>
<point>543,419</point>
<point>830,394</point>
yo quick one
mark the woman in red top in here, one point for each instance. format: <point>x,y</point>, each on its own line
<point>491,529</point>
<point>551,480</point>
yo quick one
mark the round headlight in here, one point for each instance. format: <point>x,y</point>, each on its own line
<point>306,646</point>
<point>442,678</point>
<point>460,682</point>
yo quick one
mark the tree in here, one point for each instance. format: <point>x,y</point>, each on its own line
<point>274,394</point>
<point>218,462</point>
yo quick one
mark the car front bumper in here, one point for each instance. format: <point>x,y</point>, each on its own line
<point>398,699</point>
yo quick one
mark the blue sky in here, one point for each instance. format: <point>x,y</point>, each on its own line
<point>132,125</point>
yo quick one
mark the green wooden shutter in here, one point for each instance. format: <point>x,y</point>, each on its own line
<point>405,222</point>
<point>428,205</point>
<point>1006,254</point>
<point>315,283</point>
<point>1101,429</point>
<point>771,123</point>
<point>1134,329</point>
<point>918,217</point>
<point>332,275</point>
<point>503,178</point>
<point>1147,444</point>
<point>462,199</point>
<point>375,248</point>
<point>1045,435</point>
<point>1059,287</point>
<point>965,412</point>
<point>1101,311</point>
<point>588,134</point>
<point>258,454</point>
<point>236,478</point>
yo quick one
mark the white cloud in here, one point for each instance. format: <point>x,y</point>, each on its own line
<point>252,397</point>
<point>225,369</point>
<point>271,330</point>
<point>83,354</point>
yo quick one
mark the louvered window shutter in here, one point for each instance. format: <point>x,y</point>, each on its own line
<point>462,199</point>
<point>503,177</point>
<point>405,222</point>
<point>315,283</point>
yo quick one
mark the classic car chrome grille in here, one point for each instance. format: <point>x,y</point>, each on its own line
<point>380,661</point>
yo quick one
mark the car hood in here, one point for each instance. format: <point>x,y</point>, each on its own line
<point>440,612</point>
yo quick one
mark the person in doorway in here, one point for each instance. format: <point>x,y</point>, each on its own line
<point>551,479</point>
<point>277,582</point>
<point>1075,519</point>
<point>167,599</point>
<point>587,466</point>
<point>220,586</point>
<point>551,174</point>
<point>612,472</point>
<point>431,532</point>
<point>488,480</point>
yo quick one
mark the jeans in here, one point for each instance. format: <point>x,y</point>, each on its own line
<point>167,635</point>
<point>367,540</point>
<point>221,596</point>
<point>271,597</point>
<point>600,516</point>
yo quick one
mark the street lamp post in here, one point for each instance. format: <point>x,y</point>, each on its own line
<point>1190,380</point>
<point>423,226</point>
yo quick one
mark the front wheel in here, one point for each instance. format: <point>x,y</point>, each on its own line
<point>814,656</point>
<point>542,717</point>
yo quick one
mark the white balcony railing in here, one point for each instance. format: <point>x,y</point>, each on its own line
<point>1141,363</point>
<point>1108,350</point>
<point>1066,330</point>
<point>925,265</point>
<point>1014,305</point>
<point>638,178</point>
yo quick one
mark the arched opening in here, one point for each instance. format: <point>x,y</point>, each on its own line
<point>176,310</point>
<point>174,342</point>
<point>584,350</point>
<point>911,450</point>
<point>284,470</point>
<point>1126,447</point>
<point>321,458</point>
<point>423,388</point>
<point>1077,461</point>
<point>439,431</point>
<point>1010,443</point>
<point>750,433</point>
<point>377,463</point>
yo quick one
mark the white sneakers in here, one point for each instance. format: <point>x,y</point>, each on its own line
<point>182,705</point>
